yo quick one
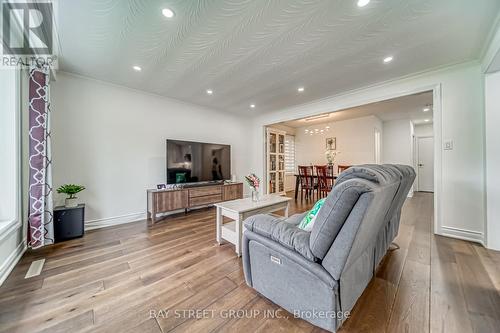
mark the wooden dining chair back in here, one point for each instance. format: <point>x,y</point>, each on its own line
<point>330,175</point>
<point>306,181</point>
<point>324,186</point>
<point>341,168</point>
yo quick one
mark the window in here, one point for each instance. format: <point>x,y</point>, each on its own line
<point>289,154</point>
<point>9,147</point>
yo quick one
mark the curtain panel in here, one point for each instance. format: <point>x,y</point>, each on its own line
<point>40,219</point>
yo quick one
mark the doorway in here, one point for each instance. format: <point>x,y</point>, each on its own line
<point>425,163</point>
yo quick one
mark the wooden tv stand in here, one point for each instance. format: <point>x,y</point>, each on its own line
<point>163,201</point>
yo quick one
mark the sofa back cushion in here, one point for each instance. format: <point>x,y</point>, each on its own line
<point>333,214</point>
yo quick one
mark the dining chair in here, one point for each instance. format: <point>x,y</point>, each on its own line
<point>306,181</point>
<point>341,168</point>
<point>330,175</point>
<point>324,185</point>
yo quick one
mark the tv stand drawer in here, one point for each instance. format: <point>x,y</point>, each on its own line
<point>205,200</point>
<point>204,191</point>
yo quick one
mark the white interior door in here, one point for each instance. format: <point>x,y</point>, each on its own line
<point>377,146</point>
<point>425,164</point>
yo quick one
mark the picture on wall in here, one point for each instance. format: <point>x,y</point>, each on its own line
<point>331,143</point>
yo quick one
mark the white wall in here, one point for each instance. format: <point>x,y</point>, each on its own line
<point>355,142</point>
<point>397,142</point>
<point>112,140</point>
<point>493,159</point>
<point>460,200</point>
<point>424,130</point>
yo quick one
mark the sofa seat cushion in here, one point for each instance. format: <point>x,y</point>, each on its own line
<point>281,231</point>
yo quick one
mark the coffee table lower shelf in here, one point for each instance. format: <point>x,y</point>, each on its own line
<point>239,210</point>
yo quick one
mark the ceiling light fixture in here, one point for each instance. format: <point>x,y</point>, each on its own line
<point>318,117</point>
<point>167,12</point>
<point>252,106</point>
<point>426,120</point>
<point>317,131</point>
<point>362,3</point>
<point>427,108</point>
<point>210,91</point>
<point>137,68</point>
<point>388,59</point>
<point>300,89</point>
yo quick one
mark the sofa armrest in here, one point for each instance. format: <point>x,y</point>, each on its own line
<point>282,232</point>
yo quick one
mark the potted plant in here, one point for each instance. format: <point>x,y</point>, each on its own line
<point>71,190</point>
<point>253,181</point>
<point>330,156</point>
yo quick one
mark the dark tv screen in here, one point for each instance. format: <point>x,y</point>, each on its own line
<point>192,162</point>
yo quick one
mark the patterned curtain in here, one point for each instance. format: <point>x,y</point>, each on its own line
<point>40,220</point>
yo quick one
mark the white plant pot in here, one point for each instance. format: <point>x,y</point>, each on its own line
<point>71,202</point>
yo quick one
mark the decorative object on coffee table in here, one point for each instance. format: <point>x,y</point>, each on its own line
<point>254,182</point>
<point>71,190</point>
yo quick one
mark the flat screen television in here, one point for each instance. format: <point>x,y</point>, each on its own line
<point>194,162</point>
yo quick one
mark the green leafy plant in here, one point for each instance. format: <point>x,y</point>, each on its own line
<point>70,189</point>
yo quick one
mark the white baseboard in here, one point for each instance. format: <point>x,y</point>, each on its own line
<point>129,218</point>
<point>464,234</point>
<point>11,261</point>
<point>115,220</point>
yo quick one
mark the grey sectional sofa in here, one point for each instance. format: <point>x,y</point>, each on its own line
<point>319,275</point>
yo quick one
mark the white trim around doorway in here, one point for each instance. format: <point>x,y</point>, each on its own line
<point>358,99</point>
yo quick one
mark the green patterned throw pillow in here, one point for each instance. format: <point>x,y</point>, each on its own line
<point>308,220</point>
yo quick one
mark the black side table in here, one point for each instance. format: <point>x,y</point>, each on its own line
<point>68,222</point>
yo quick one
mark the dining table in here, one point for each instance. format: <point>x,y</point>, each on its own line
<point>314,181</point>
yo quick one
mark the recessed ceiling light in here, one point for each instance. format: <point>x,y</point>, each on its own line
<point>137,68</point>
<point>388,59</point>
<point>252,106</point>
<point>327,127</point>
<point>426,109</point>
<point>300,89</point>
<point>167,12</point>
<point>426,120</point>
<point>362,3</point>
<point>210,91</point>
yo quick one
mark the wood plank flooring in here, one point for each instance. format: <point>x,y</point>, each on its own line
<point>112,279</point>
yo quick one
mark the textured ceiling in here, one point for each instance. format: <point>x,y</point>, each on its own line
<point>406,107</point>
<point>257,51</point>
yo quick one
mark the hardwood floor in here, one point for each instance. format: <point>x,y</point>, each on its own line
<point>111,280</point>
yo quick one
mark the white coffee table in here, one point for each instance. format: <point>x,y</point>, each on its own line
<point>239,210</point>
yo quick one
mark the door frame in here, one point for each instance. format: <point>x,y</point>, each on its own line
<point>361,97</point>
<point>415,158</point>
